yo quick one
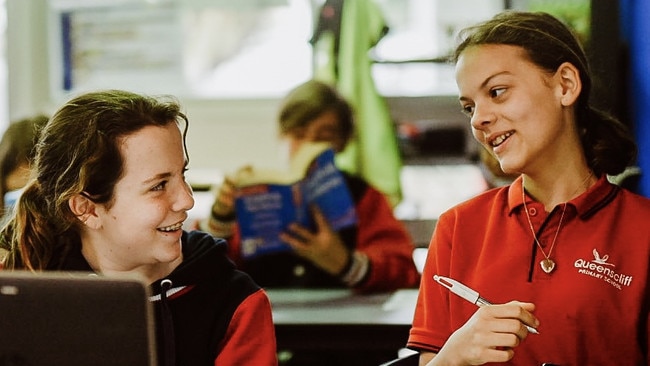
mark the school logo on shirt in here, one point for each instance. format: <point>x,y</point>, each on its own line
<point>601,269</point>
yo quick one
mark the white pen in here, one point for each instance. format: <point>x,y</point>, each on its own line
<point>468,294</point>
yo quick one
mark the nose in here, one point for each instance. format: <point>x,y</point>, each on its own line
<point>184,198</point>
<point>482,117</point>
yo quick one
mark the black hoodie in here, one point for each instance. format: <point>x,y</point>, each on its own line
<point>201,295</point>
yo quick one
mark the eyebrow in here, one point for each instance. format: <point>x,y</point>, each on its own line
<point>160,176</point>
<point>156,178</point>
<point>484,83</point>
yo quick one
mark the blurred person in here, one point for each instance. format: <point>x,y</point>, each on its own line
<point>375,255</point>
<point>16,156</point>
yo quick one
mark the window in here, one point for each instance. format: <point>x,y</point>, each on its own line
<point>212,49</point>
<point>248,48</point>
<point>422,33</point>
<point>262,49</point>
<point>240,51</point>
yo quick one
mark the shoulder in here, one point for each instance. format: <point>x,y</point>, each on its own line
<point>635,197</point>
<point>634,202</point>
<point>480,204</point>
<point>199,244</point>
<point>257,299</point>
<point>256,309</point>
<point>205,260</point>
<point>250,337</point>
<point>207,266</point>
<point>197,240</point>
<point>476,210</point>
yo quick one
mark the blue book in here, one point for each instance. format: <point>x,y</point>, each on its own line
<point>268,201</point>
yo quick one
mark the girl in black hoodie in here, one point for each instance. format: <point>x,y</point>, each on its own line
<point>109,196</point>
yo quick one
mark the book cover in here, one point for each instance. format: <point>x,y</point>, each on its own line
<point>267,201</point>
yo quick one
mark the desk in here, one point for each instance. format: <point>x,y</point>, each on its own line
<point>339,320</point>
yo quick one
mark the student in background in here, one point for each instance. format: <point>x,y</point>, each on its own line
<point>561,248</point>
<point>109,196</point>
<point>16,155</point>
<point>374,255</point>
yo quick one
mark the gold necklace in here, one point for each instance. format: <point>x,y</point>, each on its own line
<point>547,264</point>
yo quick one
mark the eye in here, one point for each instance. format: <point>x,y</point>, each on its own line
<point>496,92</point>
<point>160,186</point>
<point>468,110</point>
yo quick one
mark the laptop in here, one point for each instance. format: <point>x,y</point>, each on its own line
<point>62,319</point>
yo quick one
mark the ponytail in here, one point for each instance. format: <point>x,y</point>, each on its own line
<point>31,235</point>
<point>607,143</point>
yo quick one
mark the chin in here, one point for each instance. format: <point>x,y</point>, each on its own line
<point>509,168</point>
<point>169,256</point>
<point>510,172</point>
<point>173,251</point>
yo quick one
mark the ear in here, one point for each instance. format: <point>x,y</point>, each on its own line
<point>85,210</point>
<point>570,83</point>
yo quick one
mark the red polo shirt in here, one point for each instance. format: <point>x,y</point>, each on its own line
<point>593,308</point>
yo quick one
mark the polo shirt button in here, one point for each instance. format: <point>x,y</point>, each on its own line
<point>532,211</point>
<point>299,271</point>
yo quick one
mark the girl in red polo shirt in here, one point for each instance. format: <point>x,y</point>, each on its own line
<point>560,251</point>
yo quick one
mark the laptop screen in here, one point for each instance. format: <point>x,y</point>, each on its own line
<point>62,319</point>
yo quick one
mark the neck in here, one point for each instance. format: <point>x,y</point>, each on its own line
<point>554,191</point>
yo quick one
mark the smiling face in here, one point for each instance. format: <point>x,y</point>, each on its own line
<point>516,109</point>
<point>142,225</point>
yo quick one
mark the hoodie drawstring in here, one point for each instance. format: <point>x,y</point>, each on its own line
<point>167,325</point>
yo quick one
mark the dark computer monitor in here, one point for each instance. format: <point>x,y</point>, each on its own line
<point>63,319</point>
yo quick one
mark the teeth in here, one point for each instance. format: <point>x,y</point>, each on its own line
<point>172,228</point>
<point>500,139</point>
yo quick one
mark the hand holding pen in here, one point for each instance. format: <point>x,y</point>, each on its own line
<point>468,294</point>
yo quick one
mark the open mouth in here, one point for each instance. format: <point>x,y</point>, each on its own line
<point>171,228</point>
<point>501,139</point>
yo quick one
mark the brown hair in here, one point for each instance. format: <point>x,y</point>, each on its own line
<point>309,100</point>
<point>77,153</point>
<point>607,144</point>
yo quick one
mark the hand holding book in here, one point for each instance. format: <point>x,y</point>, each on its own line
<point>222,213</point>
<point>321,246</point>
<point>224,204</point>
<point>267,202</point>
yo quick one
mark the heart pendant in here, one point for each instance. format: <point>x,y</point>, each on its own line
<point>547,265</point>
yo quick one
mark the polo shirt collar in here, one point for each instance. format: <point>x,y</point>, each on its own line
<point>586,205</point>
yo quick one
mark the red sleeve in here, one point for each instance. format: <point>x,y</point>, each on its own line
<point>387,244</point>
<point>250,338</point>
